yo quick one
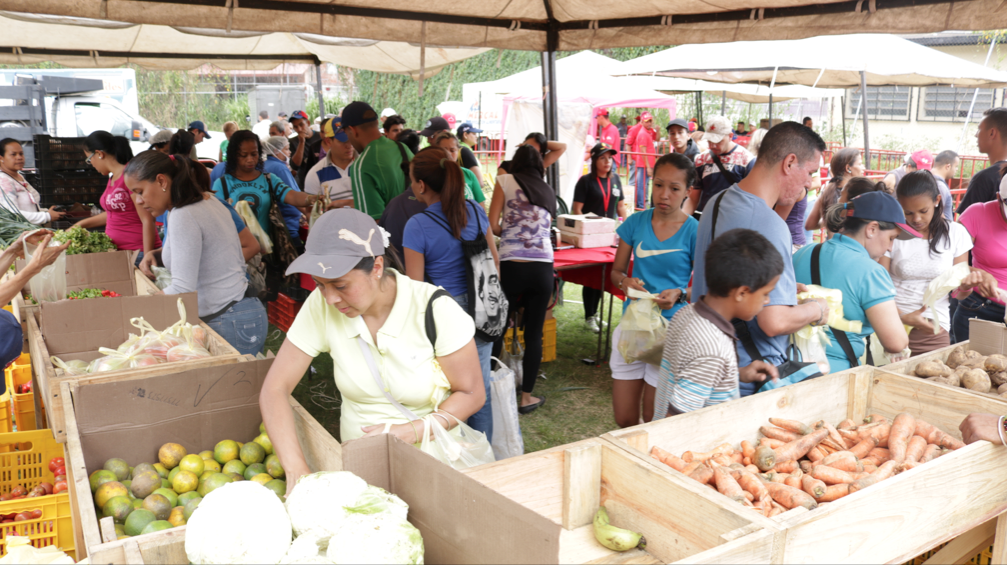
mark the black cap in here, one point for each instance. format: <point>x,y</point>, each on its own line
<point>600,149</point>
<point>434,125</point>
<point>880,207</point>
<point>678,122</point>
<point>358,113</point>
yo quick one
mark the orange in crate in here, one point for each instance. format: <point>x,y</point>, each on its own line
<point>25,463</point>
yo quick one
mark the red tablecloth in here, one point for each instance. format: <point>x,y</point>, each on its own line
<point>584,267</point>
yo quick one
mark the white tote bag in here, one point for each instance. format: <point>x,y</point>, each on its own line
<point>507,440</point>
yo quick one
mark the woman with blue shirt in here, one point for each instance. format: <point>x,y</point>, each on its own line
<point>869,224</point>
<point>432,244</point>
<point>662,241</point>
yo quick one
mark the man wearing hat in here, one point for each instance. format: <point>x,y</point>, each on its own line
<point>159,141</point>
<point>380,173</point>
<point>331,175</point>
<point>300,146</point>
<point>641,140</point>
<point>678,138</point>
<point>723,165</point>
<point>609,133</point>
<point>198,131</point>
<point>468,139</point>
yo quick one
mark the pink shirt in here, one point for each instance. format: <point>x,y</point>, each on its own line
<point>610,137</point>
<point>985,224</point>
<point>122,223</point>
<point>641,140</point>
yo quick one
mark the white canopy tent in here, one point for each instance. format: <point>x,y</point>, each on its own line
<point>836,61</point>
<point>753,93</point>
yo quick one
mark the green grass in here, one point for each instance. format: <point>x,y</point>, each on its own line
<point>579,396</point>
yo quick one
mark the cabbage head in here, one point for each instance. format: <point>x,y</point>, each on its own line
<point>318,500</point>
<point>376,539</point>
<point>241,522</point>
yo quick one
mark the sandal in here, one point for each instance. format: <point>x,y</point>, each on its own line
<point>527,409</point>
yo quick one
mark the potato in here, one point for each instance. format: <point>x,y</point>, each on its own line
<point>955,379</point>
<point>996,364</point>
<point>957,357</point>
<point>976,380</point>
<point>998,378</point>
<point>971,354</point>
<point>1002,389</point>
<point>930,369</point>
<point>977,363</point>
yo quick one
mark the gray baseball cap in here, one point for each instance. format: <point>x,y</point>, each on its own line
<point>337,242</point>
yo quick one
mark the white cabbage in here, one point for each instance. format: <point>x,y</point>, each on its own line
<point>309,547</point>
<point>241,522</point>
<point>318,500</point>
<point>376,500</point>
<point>376,539</point>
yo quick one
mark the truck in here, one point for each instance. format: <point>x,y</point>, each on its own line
<point>65,103</point>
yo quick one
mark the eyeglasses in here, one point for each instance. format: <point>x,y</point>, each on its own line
<point>89,157</point>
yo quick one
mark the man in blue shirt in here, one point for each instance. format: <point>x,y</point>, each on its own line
<point>788,158</point>
<point>277,151</point>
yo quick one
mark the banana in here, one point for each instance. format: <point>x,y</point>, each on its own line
<point>616,539</point>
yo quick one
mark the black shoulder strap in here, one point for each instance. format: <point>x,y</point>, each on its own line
<point>840,335</point>
<point>429,322</point>
<point>716,212</point>
<point>404,163</point>
<point>269,182</point>
<point>720,165</point>
<point>223,185</point>
<point>745,337</point>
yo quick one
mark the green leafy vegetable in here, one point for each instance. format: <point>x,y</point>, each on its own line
<point>83,241</point>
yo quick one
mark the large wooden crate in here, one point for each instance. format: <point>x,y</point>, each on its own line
<point>567,484</point>
<point>321,451</point>
<point>891,522</point>
<point>47,384</point>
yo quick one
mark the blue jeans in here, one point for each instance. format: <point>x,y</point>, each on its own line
<point>974,306</point>
<point>482,420</point>
<point>641,186</point>
<point>139,257</point>
<point>243,325</point>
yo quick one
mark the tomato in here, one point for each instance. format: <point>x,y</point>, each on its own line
<point>47,487</point>
<point>18,491</point>
<point>22,516</point>
<point>61,470</point>
<point>60,487</point>
<point>6,496</point>
<point>56,462</point>
<point>60,479</point>
<point>36,514</point>
<point>25,388</point>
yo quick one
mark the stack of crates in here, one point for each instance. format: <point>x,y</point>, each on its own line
<point>548,339</point>
<point>282,311</point>
<point>22,404</point>
<point>63,174</point>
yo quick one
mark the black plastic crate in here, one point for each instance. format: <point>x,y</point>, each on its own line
<point>60,153</point>
<point>66,187</point>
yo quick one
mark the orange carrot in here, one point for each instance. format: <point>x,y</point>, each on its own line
<point>881,454</point>
<point>752,469</point>
<point>834,492</point>
<point>903,428</point>
<point>870,460</point>
<point>828,449</point>
<point>749,496</point>
<point>844,461</point>
<point>813,486</point>
<point>786,467</point>
<point>846,424</point>
<point>747,449</point>
<point>932,452</point>
<point>790,497</point>
<point>667,458</point>
<point>690,456</point>
<point>806,466</point>
<point>915,449</point>
<point>936,436</point>
<point>778,433</point>
<point>746,461</point>
<point>750,483</point>
<point>703,473</point>
<point>849,435</point>
<point>885,471</point>
<point>764,505</point>
<point>721,460</point>
<point>832,476</point>
<point>869,467</point>
<point>737,457</point>
<point>774,512</point>
<point>834,434</point>
<point>815,454</point>
<point>727,485</point>
<point>780,477</point>
<point>863,448</point>
<point>793,481</point>
<point>765,458</point>
<point>771,443</point>
<point>874,419</point>
<point>791,451</point>
<point>799,428</point>
<point>691,467</point>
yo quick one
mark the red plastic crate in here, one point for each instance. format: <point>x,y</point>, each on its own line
<point>307,283</point>
<point>279,319</point>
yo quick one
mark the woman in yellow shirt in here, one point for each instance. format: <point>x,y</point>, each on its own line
<point>364,311</point>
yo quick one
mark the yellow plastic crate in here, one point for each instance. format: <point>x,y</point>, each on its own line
<point>5,416</point>
<point>548,339</point>
<point>985,557</point>
<point>26,464</point>
<point>22,405</point>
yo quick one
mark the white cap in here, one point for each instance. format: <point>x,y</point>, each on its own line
<point>1003,188</point>
<point>387,112</point>
<point>717,128</point>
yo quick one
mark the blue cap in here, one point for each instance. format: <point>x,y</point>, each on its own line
<point>358,113</point>
<point>11,338</point>
<point>333,128</point>
<point>198,125</point>
<point>467,127</point>
<point>880,207</point>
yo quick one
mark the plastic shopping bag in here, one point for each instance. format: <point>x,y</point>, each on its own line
<point>318,208</point>
<point>938,288</point>
<point>50,284</point>
<point>185,330</point>
<point>154,342</point>
<point>461,447</point>
<point>513,358</point>
<point>162,277</point>
<point>507,440</point>
<point>834,299</point>
<point>188,351</point>
<point>643,328</point>
<point>72,368</point>
<point>243,210</point>
<point>811,341</point>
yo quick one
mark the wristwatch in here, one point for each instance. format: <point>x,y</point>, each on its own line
<point>682,297</point>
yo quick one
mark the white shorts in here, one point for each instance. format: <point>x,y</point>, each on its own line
<point>623,371</point>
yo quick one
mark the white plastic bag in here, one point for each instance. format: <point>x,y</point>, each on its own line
<point>642,329</point>
<point>811,341</point>
<point>507,440</point>
<point>162,277</point>
<point>882,357</point>
<point>245,211</point>
<point>49,285</point>
<point>461,447</point>
<point>938,288</point>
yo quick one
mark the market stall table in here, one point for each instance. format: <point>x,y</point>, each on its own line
<point>592,268</point>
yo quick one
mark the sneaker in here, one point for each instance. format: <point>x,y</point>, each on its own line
<point>592,325</point>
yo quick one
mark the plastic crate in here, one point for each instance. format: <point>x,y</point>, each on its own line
<point>67,187</point>
<point>286,305</point>
<point>60,153</point>
<point>22,405</point>
<point>26,463</point>
<point>279,318</point>
<point>548,339</point>
<point>5,416</point>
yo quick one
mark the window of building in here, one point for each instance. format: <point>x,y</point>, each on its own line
<point>948,104</point>
<point>882,103</point>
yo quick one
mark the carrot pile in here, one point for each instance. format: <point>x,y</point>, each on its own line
<point>795,464</point>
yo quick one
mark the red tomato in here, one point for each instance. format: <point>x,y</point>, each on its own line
<point>56,462</point>
<point>6,496</point>
<point>36,514</point>
<point>22,516</point>
<point>18,491</point>
<point>61,470</point>
<point>6,522</point>
<point>60,479</point>
<point>25,388</point>
<point>60,487</point>
<point>47,487</point>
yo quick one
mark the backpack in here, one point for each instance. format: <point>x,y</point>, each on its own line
<point>486,301</point>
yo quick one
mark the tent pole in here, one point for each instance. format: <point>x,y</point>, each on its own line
<point>549,110</point>
<point>961,140</point>
<point>318,87</point>
<point>842,117</point>
<point>867,144</point>
<point>699,106</point>
<point>770,111</point>
<point>723,103</point>
<point>480,124</point>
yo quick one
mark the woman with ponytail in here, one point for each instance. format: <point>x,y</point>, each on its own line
<point>128,226</point>
<point>915,262</point>
<point>432,244</point>
<point>202,250</point>
<point>846,164</point>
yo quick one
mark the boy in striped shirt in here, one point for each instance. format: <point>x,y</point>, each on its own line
<point>699,367</point>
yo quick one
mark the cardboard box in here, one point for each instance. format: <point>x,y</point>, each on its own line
<point>75,329</point>
<point>587,241</point>
<point>891,522</point>
<point>107,271</point>
<point>196,408</point>
<point>585,224</point>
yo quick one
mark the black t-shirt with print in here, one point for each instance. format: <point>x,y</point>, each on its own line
<point>589,192</point>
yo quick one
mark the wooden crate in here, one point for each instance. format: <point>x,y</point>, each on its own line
<point>144,286</point>
<point>566,485</point>
<point>322,453</point>
<point>891,522</point>
<point>908,367</point>
<point>47,385</point>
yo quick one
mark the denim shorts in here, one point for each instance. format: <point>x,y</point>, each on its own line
<point>243,325</point>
